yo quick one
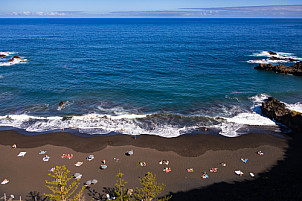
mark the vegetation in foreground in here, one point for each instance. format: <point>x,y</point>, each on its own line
<point>62,191</point>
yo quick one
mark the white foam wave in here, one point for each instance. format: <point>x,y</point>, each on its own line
<point>282,56</point>
<point>229,129</point>
<point>253,117</point>
<point>15,61</point>
<point>6,53</point>
<point>90,124</point>
<point>267,61</point>
<point>296,107</point>
<point>1,77</point>
<point>113,110</point>
<point>232,124</point>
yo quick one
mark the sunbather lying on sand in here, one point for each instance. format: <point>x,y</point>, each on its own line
<point>190,170</point>
<point>78,164</point>
<point>5,181</point>
<point>213,169</point>
<point>204,175</point>
<point>166,169</point>
<point>164,162</point>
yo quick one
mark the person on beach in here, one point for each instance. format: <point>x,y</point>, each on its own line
<point>205,131</point>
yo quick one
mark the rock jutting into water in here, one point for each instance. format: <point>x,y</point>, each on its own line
<point>2,55</point>
<point>62,103</point>
<point>295,69</point>
<point>13,58</point>
<point>276,110</point>
<point>272,53</point>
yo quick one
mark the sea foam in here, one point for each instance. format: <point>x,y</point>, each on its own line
<point>231,123</point>
<point>283,56</point>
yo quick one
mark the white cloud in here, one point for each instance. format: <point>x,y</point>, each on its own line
<point>44,14</point>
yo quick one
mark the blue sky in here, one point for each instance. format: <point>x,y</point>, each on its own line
<point>151,8</point>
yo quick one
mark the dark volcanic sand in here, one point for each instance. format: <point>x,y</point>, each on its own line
<point>200,152</point>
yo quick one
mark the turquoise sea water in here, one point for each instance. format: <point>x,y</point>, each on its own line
<point>184,74</point>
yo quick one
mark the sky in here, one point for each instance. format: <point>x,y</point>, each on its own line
<point>151,8</point>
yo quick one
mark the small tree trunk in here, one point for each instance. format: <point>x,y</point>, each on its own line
<point>122,193</point>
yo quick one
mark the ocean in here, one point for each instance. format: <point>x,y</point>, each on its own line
<point>166,77</point>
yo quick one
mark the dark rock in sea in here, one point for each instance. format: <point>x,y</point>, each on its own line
<point>2,55</point>
<point>62,103</point>
<point>295,69</point>
<point>13,58</point>
<point>272,53</point>
<point>292,60</point>
<point>277,111</point>
<point>273,58</point>
<point>66,118</point>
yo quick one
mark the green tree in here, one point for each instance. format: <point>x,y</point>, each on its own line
<point>120,191</point>
<point>60,189</point>
<point>151,189</point>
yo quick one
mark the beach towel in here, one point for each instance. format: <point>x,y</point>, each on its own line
<point>22,154</point>
<point>103,167</point>
<point>46,158</point>
<point>94,181</point>
<point>190,170</point>
<point>90,157</point>
<point>77,176</point>
<point>42,152</point>
<point>5,181</point>
<point>239,172</point>
<point>205,176</point>
<point>213,170</point>
<point>78,164</point>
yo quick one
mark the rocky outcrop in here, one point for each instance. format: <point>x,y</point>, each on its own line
<point>272,53</point>
<point>62,103</point>
<point>2,55</point>
<point>295,69</point>
<point>277,111</point>
<point>273,58</point>
<point>13,58</point>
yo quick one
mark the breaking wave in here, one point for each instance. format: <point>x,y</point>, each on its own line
<point>19,60</point>
<point>276,57</point>
<point>296,107</point>
<point>233,122</point>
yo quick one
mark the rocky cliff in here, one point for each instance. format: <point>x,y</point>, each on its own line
<point>295,69</point>
<point>276,110</point>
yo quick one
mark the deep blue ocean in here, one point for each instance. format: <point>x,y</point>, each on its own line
<point>165,77</point>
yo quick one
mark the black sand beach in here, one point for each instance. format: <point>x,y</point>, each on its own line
<point>200,152</point>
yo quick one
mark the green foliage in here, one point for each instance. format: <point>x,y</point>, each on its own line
<point>60,189</point>
<point>151,189</point>
<point>121,193</point>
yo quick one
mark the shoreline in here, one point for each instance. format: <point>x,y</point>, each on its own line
<point>200,152</point>
<point>178,144</point>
